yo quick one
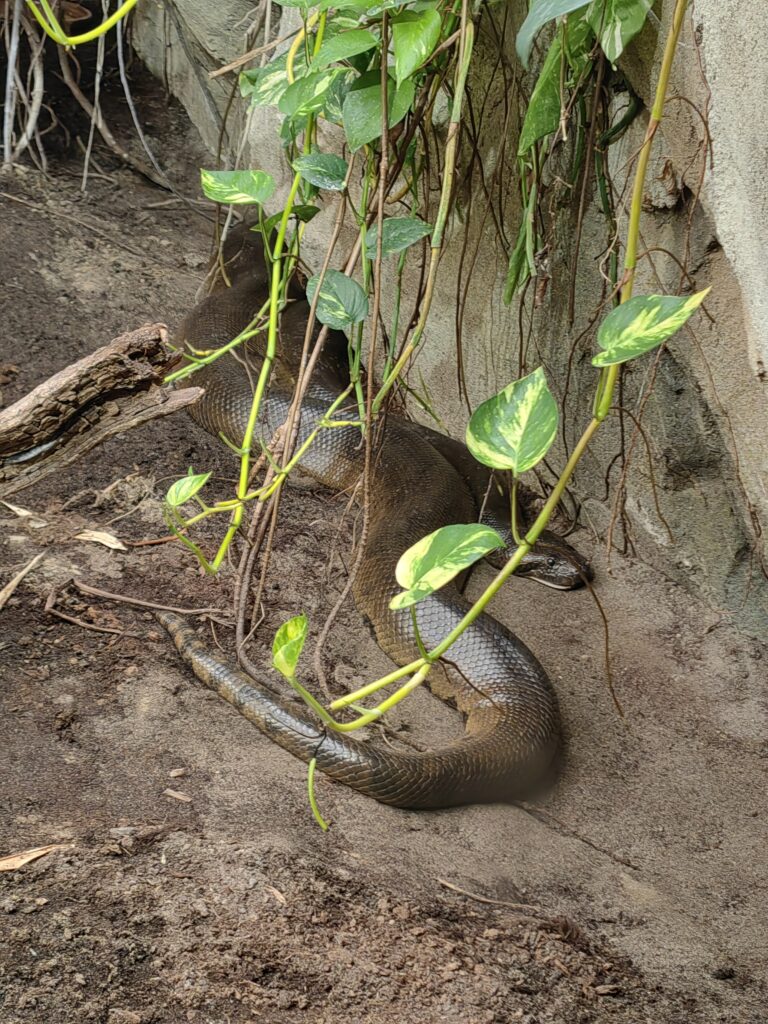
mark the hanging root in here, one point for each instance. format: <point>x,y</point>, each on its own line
<point>23,99</point>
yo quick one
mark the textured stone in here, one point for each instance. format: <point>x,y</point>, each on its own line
<point>706,417</point>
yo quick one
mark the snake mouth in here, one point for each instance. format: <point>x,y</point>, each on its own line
<point>555,585</point>
<point>559,570</point>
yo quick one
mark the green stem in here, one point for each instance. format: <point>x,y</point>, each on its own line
<point>311,793</point>
<point>657,112</point>
<point>278,288</point>
<point>386,705</point>
<point>365,691</point>
<point>282,472</point>
<point>195,363</point>
<point>52,28</point>
<point>264,374</point>
<point>609,376</point>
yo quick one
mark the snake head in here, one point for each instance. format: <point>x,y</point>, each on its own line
<point>556,564</point>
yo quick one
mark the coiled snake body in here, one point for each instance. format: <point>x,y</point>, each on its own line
<point>420,481</point>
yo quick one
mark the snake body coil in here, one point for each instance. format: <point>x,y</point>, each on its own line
<point>420,482</point>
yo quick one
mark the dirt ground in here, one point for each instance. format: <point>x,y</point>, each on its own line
<point>192,883</point>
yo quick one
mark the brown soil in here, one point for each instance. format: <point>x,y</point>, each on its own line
<point>643,868</point>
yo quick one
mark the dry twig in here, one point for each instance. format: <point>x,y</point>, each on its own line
<point>10,587</point>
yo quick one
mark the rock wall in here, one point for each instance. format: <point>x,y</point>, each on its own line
<point>694,480</point>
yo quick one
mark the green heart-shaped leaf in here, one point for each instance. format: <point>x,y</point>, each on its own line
<point>544,111</point>
<point>237,187</point>
<point>180,492</point>
<point>362,108</point>
<point>540,13</point>
<point>616,22</point>
<point>288,645</point>
<point>414,37</point>
<point>436,559</point>
<point>325,170</point>
<point>398,233</point>
<point>342,301</point>
<point>515,429</point>
<point>344,45</point>
<point>642,324</point>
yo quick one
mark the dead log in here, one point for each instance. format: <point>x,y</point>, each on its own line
<point>116,388</point>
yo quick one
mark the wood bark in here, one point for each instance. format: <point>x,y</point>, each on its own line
<point>115,389</point>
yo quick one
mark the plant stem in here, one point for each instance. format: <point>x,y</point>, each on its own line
<point>52,28</point>
<point>282,472</point>
<point>312,799</point>
<point>386,705</point>
<point>195,363</point>
<point>610,374</point>
<point>278,288</point>
<point>379,684</point>
<point>606,388</point>
<point>657,112</point>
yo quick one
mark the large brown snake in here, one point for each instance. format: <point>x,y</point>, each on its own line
<point>421,481</point>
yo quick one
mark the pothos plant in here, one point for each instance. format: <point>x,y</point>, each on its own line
<point>371,70</point>
<point>381,72</point>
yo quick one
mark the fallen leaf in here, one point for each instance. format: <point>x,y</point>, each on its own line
<point>34,520</point>
<point>177,795</point>
<point>17,860</point>
<point>277,894</point>
<point>100,537</point>
<point>18,510</point>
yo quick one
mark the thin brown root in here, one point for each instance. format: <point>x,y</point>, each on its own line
<point>523,908</point>
<point>137,165</point>
<point>50,609</point>
<point>107,595</point>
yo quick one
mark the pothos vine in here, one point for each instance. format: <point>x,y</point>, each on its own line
<point>380,72</point>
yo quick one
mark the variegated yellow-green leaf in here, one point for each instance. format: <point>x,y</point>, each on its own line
<point>288,645</point>
<point>264,86</point>
<point>434,560</point>
<point>326,170</point>
<point>307,95</point>
<point>514,429</point>
<point>237,186</point>
<point>186,488</point>
<point>642,324</point>
<point>342,301</point>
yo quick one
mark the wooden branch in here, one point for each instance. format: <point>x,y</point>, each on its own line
<point>116,388</point>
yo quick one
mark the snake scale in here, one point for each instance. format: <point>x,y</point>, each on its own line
<point>420,481</point>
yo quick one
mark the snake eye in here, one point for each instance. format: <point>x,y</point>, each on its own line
<point>551,562</point>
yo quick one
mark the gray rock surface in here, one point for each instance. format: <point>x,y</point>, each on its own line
<point>697,491</point>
